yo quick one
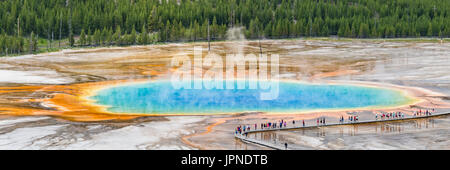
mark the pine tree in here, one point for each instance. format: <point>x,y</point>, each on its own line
<point>214,28</point>
<point>268,29</point>
<point>104,36</point>
<point>341,31</point>
<point>118,36</point>
<point>89,37</point>
<point>374,33</point>
<point>430,30</point>
<point>254,28</point>
<point>446,31</point>
<point>82,38</point>
<point>1,44</point>
<point>348,32</point>
<point>173,32</point>
<point>71,40</point>
<point>196,30</point>
<point>325,31</point>
<point>152,21</point>
<point>33,43</point>
<point>143,36</point>
<point>110,36</point>
<point>133,36</point>
<point>97,37</point>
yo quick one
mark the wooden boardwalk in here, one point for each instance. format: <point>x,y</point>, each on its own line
<point>244,138</point>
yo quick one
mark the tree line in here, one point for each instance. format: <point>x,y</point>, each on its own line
<point>125,22</point>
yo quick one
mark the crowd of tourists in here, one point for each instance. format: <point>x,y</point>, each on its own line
<point>350,119</point>
<point>426,112</point>
<point>401,115</point>
<point>390,115</point>
<point>243,129</point>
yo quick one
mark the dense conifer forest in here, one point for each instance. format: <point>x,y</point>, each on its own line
<point>26,23</point>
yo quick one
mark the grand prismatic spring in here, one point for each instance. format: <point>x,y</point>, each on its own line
<point>121,97</point>
<point>160,98</point>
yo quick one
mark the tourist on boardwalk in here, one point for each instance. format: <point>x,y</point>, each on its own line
<point>303,123</point>
<point>285,145</point>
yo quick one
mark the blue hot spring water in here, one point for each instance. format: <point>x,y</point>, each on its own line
<point>159,97</point>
